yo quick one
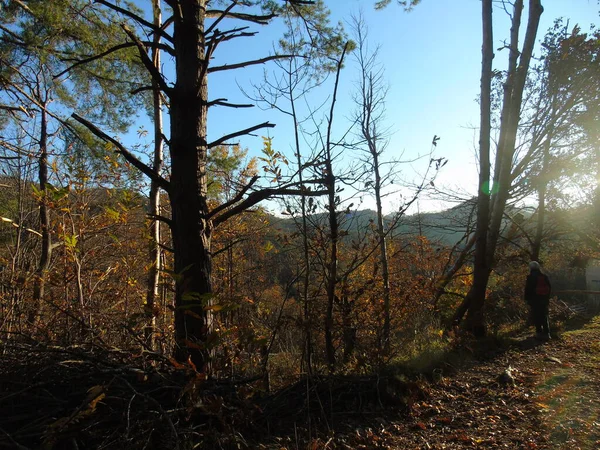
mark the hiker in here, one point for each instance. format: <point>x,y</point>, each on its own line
<point>537,296</point>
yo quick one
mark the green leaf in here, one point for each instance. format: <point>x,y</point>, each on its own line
<point>70,241</point>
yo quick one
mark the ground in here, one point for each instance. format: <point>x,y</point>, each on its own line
<point>549,399</point>
<point>518,393</point>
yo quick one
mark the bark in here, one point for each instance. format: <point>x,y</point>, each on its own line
<point>536,245</point>
<point>483,199</point>
<point>154,201</point>
<point>385,272</point>
<point>191,230</point>
<point>333,228</point>
<point>192,222</point>
<point>512,100</point>
<point>307,351</point>
<point>44,261</point>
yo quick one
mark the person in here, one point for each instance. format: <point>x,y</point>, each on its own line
<point>537,296</point>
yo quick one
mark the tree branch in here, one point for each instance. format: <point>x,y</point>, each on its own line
<point>261,20</point>
<point>228,246</point>
<point>95,57</point>
<point>17,109</point>
<point>248,63</point>
<point>240,133</point>
<point>221,17</point>
<point>235,199</point>
<point>163,219</point>
<point>223,102</point>
<point>137,18</point>
<point>258,196</point>
<point>16,225</point>
<point>150,67</point>
<point>146,170</point>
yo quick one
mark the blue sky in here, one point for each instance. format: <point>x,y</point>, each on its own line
<point>431,58</point>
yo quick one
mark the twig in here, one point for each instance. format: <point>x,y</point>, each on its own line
<point>160,408</point>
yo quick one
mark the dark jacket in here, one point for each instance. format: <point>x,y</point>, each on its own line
<point>530,287</point>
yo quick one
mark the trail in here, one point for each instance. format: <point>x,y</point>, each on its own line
<point>553,403</point>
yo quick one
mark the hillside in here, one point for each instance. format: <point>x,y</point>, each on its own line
<point>445,227</point>
<point>516,393</point>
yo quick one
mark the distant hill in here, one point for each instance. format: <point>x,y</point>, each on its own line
<point>445,227</point>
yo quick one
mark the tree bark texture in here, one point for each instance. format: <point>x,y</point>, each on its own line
<point>512,100</point>
<point>152,293</point>
<point>191,230</point>
<point>333,227</point>
<point>45,254</point>
<point>480,268</point>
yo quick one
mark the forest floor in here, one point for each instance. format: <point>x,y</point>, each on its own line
<point>516,393</point>
<point>549,399</point>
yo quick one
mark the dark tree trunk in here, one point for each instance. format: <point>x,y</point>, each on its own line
<point>481,271</point>
<point>191,230</point>
<point>513,94</point>
<point>44,262</point>
<point>332,202</point>
<point>385,272</point>
<point>332,266</point>
<point>536,245</point>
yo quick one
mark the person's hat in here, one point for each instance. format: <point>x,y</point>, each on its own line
<point>534,265</point>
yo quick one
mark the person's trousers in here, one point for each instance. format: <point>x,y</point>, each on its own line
<point>540,316</point>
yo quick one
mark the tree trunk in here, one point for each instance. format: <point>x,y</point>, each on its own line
<point>483,196</point>
<point>385,272</point>
<point>191,230</point>
<point>333,227</point>
<point>307,341</point>
<point>536,245</point>
<point>332,266</point>
<point>513,95</point>
<point>154,201</point>
<point>44,261</point>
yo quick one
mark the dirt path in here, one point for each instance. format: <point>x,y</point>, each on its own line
<point>552,401</point>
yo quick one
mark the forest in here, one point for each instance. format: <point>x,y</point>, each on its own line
<point>164,285</point>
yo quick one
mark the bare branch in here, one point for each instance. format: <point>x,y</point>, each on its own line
<point>235,199</point>
<point>163,219</point>
<point>261,20</point>
<point>95,57</point>
<point>146,170</point>
<point>263,194</point>
<point>154,71</point>
<point>223,102</point>
<point>221,17</point>
<point>240,133</point>
<point>15,109</point>
<point>136,18</point>
<point>248,63</point>
<point>16,225</point>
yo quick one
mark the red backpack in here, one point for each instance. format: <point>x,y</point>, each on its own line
<point>542,287</point>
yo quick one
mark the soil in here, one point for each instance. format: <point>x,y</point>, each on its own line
<point>531,395</point>
<point>519,393</point>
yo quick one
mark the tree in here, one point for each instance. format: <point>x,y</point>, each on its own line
<point>371,108</point>
<point>154,200</point>
<point>35,48</point>
<point>492,198</point>
<point>406,4</point>
<point>558,132</point>
<point>194,39</point>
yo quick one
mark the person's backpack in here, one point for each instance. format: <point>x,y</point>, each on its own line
<point>542,287</point>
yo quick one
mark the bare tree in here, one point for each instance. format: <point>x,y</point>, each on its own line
<point>492,199</point>
<point>154,200</point>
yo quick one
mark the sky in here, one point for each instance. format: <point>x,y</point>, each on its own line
<point>431,58</point>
